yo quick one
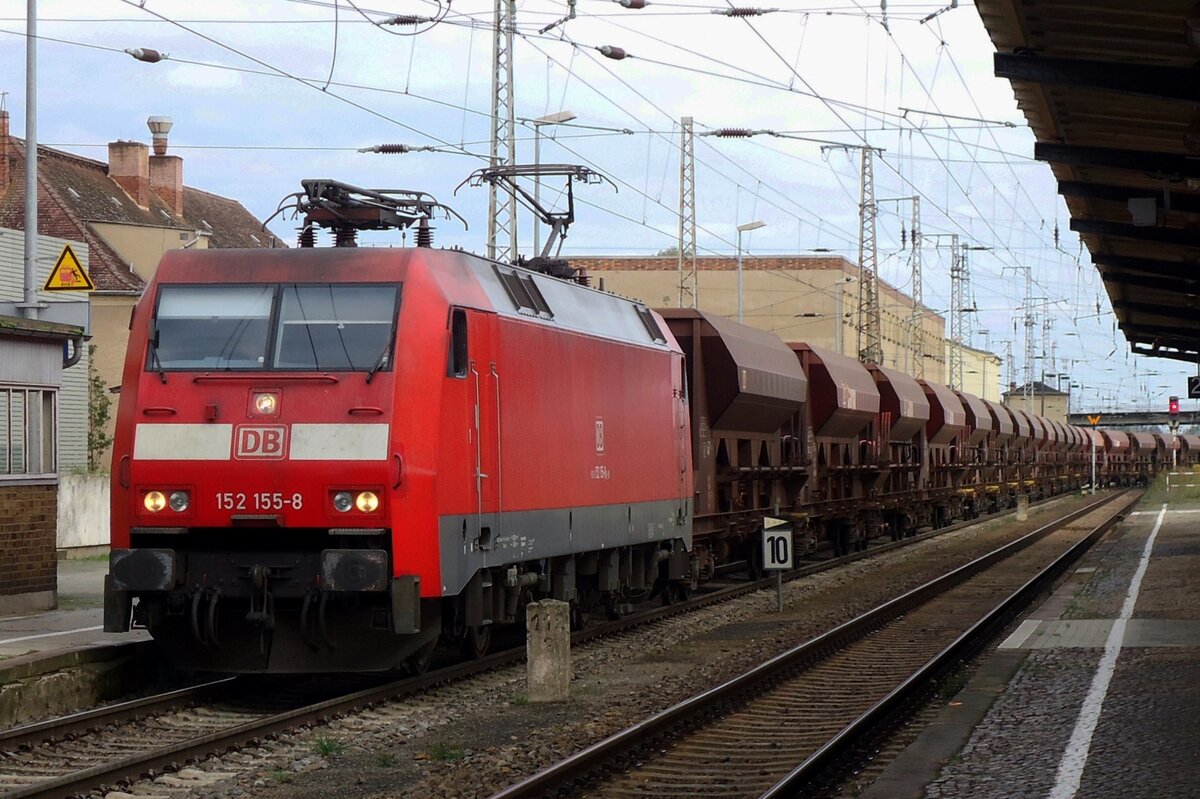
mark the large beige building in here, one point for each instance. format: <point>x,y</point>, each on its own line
<point>1042,400</point>
<point>981,372</point>
<point>802,298</point>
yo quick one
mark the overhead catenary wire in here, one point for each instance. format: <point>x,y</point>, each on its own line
<point>941,160</point>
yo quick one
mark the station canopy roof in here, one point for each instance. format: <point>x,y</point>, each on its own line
<point>1111,89</point>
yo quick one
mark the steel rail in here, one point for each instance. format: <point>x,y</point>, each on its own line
<point>136,766</point>
<point>78,723</point>
<point>586,761</point>
<point>975,636</point>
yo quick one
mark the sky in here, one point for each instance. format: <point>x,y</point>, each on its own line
<point>264,94</point>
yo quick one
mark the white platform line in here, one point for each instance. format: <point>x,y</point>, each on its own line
<point>1070,768</point>
<point>1020,635</point>
<point>50,635</point>
<point>1151,512</point>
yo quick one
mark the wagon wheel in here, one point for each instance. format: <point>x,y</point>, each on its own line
<point>476,641</point>
<point>754,564</point>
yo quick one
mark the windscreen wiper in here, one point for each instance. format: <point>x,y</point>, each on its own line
<point>383,356</point>
<point>155,363</point>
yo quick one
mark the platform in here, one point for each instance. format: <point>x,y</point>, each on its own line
<point>1095,694</point>
<point>78,622</point>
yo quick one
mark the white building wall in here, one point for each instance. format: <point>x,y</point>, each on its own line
<point>83,511</point>
<point>72,394</point>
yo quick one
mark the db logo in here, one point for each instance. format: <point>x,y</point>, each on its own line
<point>260,442</point>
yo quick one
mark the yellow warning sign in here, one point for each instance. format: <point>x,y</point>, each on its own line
<point>68,274</point>
<point>1095,420</point>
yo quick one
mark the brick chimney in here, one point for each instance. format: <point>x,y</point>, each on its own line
<point>166,171</point>
<point>3,151</point>
<point>129,166</point>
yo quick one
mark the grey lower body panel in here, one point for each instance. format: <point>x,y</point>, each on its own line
<point>472,542</point>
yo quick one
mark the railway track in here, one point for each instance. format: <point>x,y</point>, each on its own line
<point>109,746</point>
<point>791,725</point>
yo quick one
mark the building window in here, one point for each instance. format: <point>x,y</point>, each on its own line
<point>28,430</point>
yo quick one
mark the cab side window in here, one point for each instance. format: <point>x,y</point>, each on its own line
<point>457,362</point>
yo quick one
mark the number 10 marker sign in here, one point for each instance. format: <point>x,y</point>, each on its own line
<point>777,543</point>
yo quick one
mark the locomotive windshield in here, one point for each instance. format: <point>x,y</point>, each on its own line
<point>321,327</point>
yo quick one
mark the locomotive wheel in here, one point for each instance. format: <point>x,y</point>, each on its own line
<point>675,593</point>
<point>581,608</point>
<point>418,663</point>
<point>580,616</point>
<point>476,641</point>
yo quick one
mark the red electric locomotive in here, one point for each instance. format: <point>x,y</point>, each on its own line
<point>325,459</point>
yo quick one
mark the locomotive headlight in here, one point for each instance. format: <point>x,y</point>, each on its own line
<point>154,501</point>
<point>180,501</point>
<point>366,501</point>
<point>265,403</point>
<point>343,501</point>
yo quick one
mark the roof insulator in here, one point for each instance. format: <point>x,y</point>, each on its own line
<point>634,4</point>
<point>406,19</point>
<point>733,133</point>
<point>615,53</point>
<point>146,54</point>
<point>744,12</point>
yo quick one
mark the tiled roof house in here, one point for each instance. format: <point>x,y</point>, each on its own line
<point>80,198</point>
<point>128,212</point>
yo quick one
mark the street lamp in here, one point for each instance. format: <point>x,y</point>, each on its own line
<point>557,118</point>
<point>755,225</point>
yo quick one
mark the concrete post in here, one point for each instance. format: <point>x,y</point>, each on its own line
<point>548,650</point>
<point>1022,507</point>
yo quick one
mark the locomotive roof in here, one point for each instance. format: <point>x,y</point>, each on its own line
<point>463,279</point>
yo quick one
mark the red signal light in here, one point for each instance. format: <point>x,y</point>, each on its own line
<point>1173,406</point>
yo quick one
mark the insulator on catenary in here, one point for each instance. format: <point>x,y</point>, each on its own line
<point>406,19</point>
<point>635,4</point>
<point>744,12</point>
<point>388,149</point>
<point>733,133</point>
<point>146,54</point>
<point>615,53</point>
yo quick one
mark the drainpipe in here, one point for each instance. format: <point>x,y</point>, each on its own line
<point>30,306</point>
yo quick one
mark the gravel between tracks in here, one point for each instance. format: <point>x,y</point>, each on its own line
<point>472,738</point>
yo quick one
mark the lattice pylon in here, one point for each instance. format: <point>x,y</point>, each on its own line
<point>918,296</point>
<point>689,280</point>
<point>870,328</point>
<point>502,201</point>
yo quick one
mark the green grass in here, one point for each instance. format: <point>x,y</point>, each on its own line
<point>952,684</point>
<point>281,775</point>
<point>329,747</point>
<point>101,558</point>
<point>445,752</point>
<point>386,759</point>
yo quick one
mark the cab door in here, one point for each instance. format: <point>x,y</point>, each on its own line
<point>484,396</point>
